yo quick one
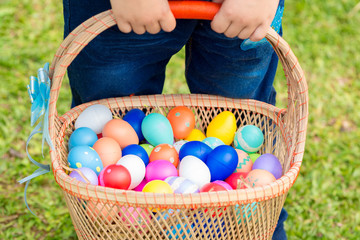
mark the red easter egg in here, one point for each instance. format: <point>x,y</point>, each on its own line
<point>182,121</point>
<point>115,176</point>
<point>121,131</point>
<point>234,182</point>
<point>212,187</point>
<point>166,152</point>
<point>259,177</point>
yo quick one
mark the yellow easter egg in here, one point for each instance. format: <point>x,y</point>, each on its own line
<point>195,135</point>
<point>223,126</point>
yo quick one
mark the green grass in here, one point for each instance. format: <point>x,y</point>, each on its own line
<point>323,203</point>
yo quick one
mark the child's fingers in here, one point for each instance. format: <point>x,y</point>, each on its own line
<point>168,24</point>
<point>246,32</point>
<point>220,23</point>
<point>153,28</point>
<point>123,26</point>
<point>138,29</point>
<point>233,30</point>
<point>259,33</point>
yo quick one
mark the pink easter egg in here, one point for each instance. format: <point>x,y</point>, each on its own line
<point>160,170</point>
<point>224,184</point>
<point>244,162</point>
<point>259,177</point>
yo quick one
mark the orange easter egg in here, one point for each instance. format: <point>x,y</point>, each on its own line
<point>259,177</point>
<point>165,152</point>
<point>102,212</point>
<point>121,131</point>
<point>109,150</point>
<point>182,121</point>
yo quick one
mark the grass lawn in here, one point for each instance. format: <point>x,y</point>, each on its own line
<point>323,203</point>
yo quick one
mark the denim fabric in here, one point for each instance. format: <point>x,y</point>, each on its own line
<point>115,64</point>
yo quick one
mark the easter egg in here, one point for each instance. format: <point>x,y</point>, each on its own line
<point>247,210</point>
<point>157,186</point>
<point>223,127</point>
<point>165,152</point>
<point>137,150</point>
<point>121,131</point>
<point>222,162</point>
<point>85,156</point>
<point>182,185</point>
<point>249,138</point>
<point>270,163</point>
<point>259,177</point>
<point>224,184</point>
<point>213,142</point>
<point>182,121</point>
<point>156,129</point>
<point>244,162</point>
<point>134,216</point>
<point>254,156</point>
<point>108,149</point>
<point>89,174</point>
<point>235,180</point>
<point>195,170</point>
<point>160,170</point>
<point>195,148</point>
<point>135,117</point>
<point>136,168</point>
<point>212,187</point>
<point>148,148</point>
<point>140,187</point>
<point>177,145</point>
<point>94,117</point>
<point>103,212</point>
<point>115,176</point>
<point>82,136</point>
<point>195,135</point>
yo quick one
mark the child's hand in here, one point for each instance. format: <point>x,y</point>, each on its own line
<point>244,18</point>
<point>143,16</point>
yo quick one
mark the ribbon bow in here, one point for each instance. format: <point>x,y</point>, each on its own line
<point>39,93</point>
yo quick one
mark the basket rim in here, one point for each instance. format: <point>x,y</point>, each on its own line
<point>132,198</point>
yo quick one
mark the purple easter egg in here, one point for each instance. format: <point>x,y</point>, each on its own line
<point>88,173</point>
<point>270,163</point>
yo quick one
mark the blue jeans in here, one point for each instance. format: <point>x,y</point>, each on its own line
<point>115,64</point>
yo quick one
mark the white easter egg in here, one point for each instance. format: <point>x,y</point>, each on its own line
<point>195,170</point>
<point>136,168</point>
<point>94,117</point>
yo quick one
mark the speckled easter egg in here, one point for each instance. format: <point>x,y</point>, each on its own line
<point>195,135</point>
<point>259,177</point>
<point>249,138</point>
<point>165,152</point>
<point>182,121</point>
<point>223,127</point>
<point>94,117</point>
<point>121,131</point>
<point>244,162</point>
<point>157,129</point>
<point>135,117</point>
<point>82,136</point>
<point>85,156</point>
<point>108,149</point>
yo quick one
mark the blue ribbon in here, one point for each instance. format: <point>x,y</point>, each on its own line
<point>39,93</point>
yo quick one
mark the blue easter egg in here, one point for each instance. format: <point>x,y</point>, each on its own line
<point>82,136</point>
<point>85,156</point>
<point>157,129</point>
<point>137,150</point>
<point>213,142</point>
<point>135,117</point>
<point>249,138</point>
<point>195,148</point>
<point>178,231</point>
<point>222,162</point>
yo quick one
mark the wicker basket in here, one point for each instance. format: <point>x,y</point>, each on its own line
<point>106,213</point>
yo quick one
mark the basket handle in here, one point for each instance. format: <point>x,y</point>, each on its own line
<point>88,30</point>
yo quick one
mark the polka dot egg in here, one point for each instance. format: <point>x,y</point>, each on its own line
<point>165,152</point>
<point>85,156</point>
<point>182,121</point>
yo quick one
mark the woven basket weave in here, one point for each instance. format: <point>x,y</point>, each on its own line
<point>106,213</point>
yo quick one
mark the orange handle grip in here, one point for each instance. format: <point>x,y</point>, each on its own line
<point>194,9</point>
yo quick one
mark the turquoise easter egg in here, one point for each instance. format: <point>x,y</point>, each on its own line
<point>85,156</point>
<point>213,142</point>
<point>249,138</point>
<point>157,129</point>
<point>82,136</point>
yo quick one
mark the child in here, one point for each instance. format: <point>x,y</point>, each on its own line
<point>131,58</point>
